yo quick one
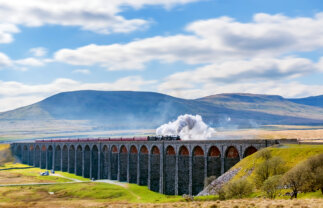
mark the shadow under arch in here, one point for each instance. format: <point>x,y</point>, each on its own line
<point>170,170</point>
<point>197,170</point>
<point>183,170</point>
<point>231,157</point>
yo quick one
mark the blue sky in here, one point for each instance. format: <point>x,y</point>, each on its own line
<point>184,48</point>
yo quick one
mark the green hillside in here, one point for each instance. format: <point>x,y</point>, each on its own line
<point>291,154</point>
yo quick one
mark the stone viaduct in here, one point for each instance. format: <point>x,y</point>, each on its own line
<point>168,167</point>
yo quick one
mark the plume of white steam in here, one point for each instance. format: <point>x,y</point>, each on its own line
<point>188,127</point>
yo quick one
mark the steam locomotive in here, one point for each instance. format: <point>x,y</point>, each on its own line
<point>148,138</point>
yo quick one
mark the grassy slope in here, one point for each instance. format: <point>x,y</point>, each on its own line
<point>292,154</point>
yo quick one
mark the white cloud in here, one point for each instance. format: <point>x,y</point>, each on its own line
<point>286,89</point>
<point>243,70</point>
<point>6,31</point>
<point>212,41</point>
<point>30,62</point>
<point>39,51</point>
<point>4,60</point>
<point>96,15</point>
<point>82,71</point>
<point>16,94</point>
<point>259,75</point>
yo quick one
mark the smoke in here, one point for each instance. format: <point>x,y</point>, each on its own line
<point>188,127</point>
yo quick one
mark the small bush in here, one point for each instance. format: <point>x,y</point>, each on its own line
<point>272,186</point>
<point>270,167</point>
<point>238,189</point>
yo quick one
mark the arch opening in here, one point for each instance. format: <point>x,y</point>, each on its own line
<point>183,171</point>
<point>123,163</point>
<point>43,157</point>
<point>79,161</point>
<point>71,161</point>
<point>114,162</point>
<point>57,163</point>
<point>249,151</point>
<point>155,169</point>
<point>95,162</point>
<point>87,162</point>
<point>65,158</point>
<point>143,166</point>
<point>37,156</point>
<point>214,162</point>
<point>50,157</point>
<point>231,158</point>
<point>104,162</point>
<point>197,170</point>
<point>170,170</point>
<point>133,164</point>
<point>31,155</point>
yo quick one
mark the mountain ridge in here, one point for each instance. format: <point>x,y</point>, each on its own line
<point>133,109</point>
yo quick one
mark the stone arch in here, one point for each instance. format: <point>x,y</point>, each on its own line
<point>249,151</point>
<point>231,157</point>
<point>184,151</point>
<point>123,163</point>
<point>104,162</point>
<point>58,158</point>
<point>133,157</point>
<point>114,162</point>
<point>79,160</point>
<point>19,152</point>
<point>214,152</point>
<point>65,158</point>
<point>183,170</point>
<point>197,170</point>
<point>87,162</point>
<point>155,150</point>
<point>95,162</point>
<point>31,155</point>
<point>170,150</point>
<point>43,157</point>
<point>143,166</point>
<point>214,162</point>
<point>71,159</point>
<point>37,156</point>
<point>170,170</point>
<point>154,168</point>
<point>50,157</point>
<point>25,155</point>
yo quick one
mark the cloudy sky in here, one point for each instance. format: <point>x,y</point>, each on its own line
<point>184,48</point>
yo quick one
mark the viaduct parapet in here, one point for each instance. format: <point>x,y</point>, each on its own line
<point>168,167</point>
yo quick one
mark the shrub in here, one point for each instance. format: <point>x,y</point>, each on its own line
<point>264,154</point>
<point>271,186</point>
<point>209,180</point>
<point>294,179</point>
<point>270,167</point>
<point>306,176</point>
<point>238,189</point>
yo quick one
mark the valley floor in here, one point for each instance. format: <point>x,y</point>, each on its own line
<point>68,190</point>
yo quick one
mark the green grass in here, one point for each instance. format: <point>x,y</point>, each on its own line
<point>92,190</point>
<point>30,173</point>
<point>292,154</point>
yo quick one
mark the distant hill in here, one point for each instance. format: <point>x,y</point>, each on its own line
<point>131,110</point>
<point>312,101</point>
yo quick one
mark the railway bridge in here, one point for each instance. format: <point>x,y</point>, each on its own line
<point>169,167</point>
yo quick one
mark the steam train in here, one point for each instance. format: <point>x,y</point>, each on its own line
<point>147,138</point>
